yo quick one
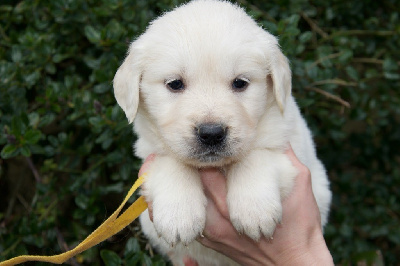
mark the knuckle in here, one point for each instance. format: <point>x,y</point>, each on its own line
<point>215,233</point>
<point>304,172</point>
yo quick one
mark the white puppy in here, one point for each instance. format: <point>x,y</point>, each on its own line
<point>208,87</point>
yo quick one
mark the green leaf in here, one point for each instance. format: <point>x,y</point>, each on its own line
<point>305,36</point>
<point>25,151</point>
<point>117,188</point>
<point>113,30</point>
<point>102,88</point>
<point>47,119</point>
<point>17,125</point>
<point>106,144</point>
<point>390,65</point>
<point>33,119</point>
<point>92,34</point>
<point>345,56</point>
<point>6,8</point>
<point>110,258</point>
<point>395,238</point>
<point>133,259</point>
<point>300,48</point>
<point>369,258</point>
<point>16,53</point>
<point>312,70</point>
<point>35,240</point>
<point>393,76</point>
<point>146,260</point>
<point>352,72</point>
<point>324,51</point>
<point>132,247</point>
<point>126,171</point>
<point>60,57</point>
<point>82,201</point>
<point>293,19</point>
<point>114,157</point>
<point>9,151</point>
<point>371,73</point>
<point>50,68</point>
<point>96,121</point>
<point>32,136</point>
<point>32,78</point>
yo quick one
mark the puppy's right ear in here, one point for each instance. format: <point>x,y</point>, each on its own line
<point>126,84</point>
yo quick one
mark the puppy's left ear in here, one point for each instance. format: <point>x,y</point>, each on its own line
<point>127,83</point>
<point>281,78</point>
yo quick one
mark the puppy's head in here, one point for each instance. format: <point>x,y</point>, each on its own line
<point>206,74</point>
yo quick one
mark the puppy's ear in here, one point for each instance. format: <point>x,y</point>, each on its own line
<point>281,78</point>
<point>126,84</point>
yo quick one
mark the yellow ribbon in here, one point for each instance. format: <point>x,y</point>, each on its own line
<point>110,227</point>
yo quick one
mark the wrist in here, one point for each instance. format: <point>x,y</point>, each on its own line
<point>314,253</point>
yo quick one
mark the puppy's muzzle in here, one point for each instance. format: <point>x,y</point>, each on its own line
<point>211,134</point>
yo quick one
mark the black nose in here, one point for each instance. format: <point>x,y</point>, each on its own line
<point>211,134</point>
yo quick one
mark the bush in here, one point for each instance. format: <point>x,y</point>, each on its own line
<point>66,146</point>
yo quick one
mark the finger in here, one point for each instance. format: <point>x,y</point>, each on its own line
<point>143,169</point>
<point>150,209</point>
<point>187,261</point>
<point>292,156</point>
<point>146,164</point>
<point>302,190</point>
<point>217,227</point>
<point>303,178</point>
<point>214,184</point>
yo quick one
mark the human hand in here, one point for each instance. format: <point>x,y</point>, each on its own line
<point>297,241</point>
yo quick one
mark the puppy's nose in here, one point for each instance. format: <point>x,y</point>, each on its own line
<point>211,134</point>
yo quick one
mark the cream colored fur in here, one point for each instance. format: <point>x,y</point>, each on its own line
<point>208,44</point>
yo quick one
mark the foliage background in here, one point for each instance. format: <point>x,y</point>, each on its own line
<point>66,157</point>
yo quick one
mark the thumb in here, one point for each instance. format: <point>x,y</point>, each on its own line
<point>214,183</point>
<point>187,261</point>
<point>146,164</point>
<point>143,169</point>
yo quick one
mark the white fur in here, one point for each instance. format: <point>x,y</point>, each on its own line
<point>208,44</point>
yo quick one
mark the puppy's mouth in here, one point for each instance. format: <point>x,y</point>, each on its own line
<point>211,156</point>
<point>218,155</point>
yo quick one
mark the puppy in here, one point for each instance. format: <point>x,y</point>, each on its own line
<point>207,87</point>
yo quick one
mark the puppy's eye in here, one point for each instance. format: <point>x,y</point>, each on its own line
<point>240,84</point>
<point>175,85</point>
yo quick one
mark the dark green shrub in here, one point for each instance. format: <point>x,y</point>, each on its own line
<point>66,146</point>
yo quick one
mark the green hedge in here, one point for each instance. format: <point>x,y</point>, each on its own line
<point>66,146</point>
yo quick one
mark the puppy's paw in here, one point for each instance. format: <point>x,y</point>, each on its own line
<point>255,216</point>
<point>178,200</point>
<point>256,187</point>
<point>180,221</point>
